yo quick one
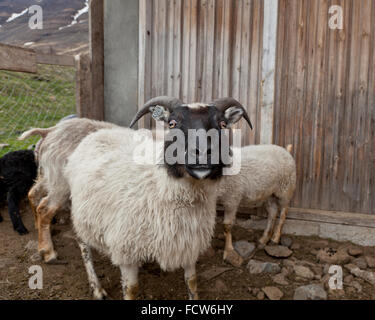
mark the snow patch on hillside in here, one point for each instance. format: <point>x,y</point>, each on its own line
<point>15,16</point>
<point>77,15</point>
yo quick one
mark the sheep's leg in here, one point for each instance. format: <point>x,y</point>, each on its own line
<point>191,281</point>
<point>129,281</point>
<point>35,195</point>
<point>45,212</point>
<point>277,233</point>
<point>229,217</point>
<point>3,193</point>
<point>14,197</point>
<point>272,209</point>
<point>98,292</point>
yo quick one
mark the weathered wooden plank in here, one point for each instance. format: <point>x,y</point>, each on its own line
<point>55,59</point>
<point>83,85</point>
<point>96,27</point>
<point>14,58</point>
<point>268,70</point>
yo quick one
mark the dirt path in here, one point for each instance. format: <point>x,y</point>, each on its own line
<point>69,281</point>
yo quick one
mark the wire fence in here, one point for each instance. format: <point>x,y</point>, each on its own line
<point>33,100</point>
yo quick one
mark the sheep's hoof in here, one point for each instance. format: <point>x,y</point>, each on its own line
<point>232,257</point>
<point>1,219</point>
<point>49,257</point>
<point>22,230</point>
<point>100,294</point>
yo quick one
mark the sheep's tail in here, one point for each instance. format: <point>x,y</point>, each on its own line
<point>33,132</point>
<point>289,148</point>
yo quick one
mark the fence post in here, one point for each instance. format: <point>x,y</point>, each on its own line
<point>96,26</point>
<point>267,98</point>
<point>83,86</point>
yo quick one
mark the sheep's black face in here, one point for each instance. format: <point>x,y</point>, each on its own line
<point>196,142</point>
<point>193,143</point>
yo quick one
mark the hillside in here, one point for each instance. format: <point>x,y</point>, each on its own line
<point>65,25</point>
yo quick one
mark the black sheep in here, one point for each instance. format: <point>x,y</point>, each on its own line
<point>17,174</point>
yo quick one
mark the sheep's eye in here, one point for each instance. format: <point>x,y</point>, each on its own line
<point>172,124</point>
<point>223,124</point>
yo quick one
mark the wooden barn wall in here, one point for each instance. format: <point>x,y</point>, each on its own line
<point>325,102</point>
<point>199,50</point>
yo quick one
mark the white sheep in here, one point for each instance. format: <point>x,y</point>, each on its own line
<point>51,192</point>
<point>136,212</point>
<point>267,177</point>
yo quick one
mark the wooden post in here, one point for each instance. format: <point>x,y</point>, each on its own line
<point>268,70</point>
<point>96,23</point>
<point>83,86</point>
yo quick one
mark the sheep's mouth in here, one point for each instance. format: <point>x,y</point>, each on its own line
<point>199,172</point>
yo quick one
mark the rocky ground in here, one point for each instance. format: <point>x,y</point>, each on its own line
<point>298,269</point>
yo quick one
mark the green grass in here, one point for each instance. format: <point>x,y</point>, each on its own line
<point>33,100</point>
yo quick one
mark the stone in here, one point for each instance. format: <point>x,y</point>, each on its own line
<point>362,274</point>
<point>244,248</point>
<point>360,263</point>
<point>304,272</point>
<point>355,251</point>
<point>333,256</point>
<point>295,246</point>
<point>254,291</point>
<point>273,293</point>
<point>357,286</point>
<point>285,271</point>
<point>260,295</point>
<point>280,279</point>
<point>317,277</point>
<point>257,267</point>
<point>289,263</point>
<point>278,251</point>
<point>32,245</point>
<point>234,258</point>
<point>310,292</point>
<point>348,279</point>
<point>370,261</point>
<point>286,241</point>
<point>3,145</point>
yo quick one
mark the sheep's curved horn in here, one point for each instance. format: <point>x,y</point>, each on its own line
<point>169,102</point>
<point>225,103</point>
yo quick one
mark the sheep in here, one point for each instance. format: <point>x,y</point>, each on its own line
<point>267,177</point>
<point>51,191</point>
<point>17,174</point>
<point>137,212</point>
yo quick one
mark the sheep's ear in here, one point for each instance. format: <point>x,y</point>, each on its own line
<point>159,113</point>
<point>233,115</point>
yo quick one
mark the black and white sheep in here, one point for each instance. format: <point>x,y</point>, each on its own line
<point>267,177</point>
<point>136,212</point>
<point>17,174</point>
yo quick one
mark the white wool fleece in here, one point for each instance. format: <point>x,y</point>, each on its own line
<point>266,170</point>
<point>137,212</point>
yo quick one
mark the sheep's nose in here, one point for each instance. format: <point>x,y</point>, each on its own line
<point>198,156</point>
